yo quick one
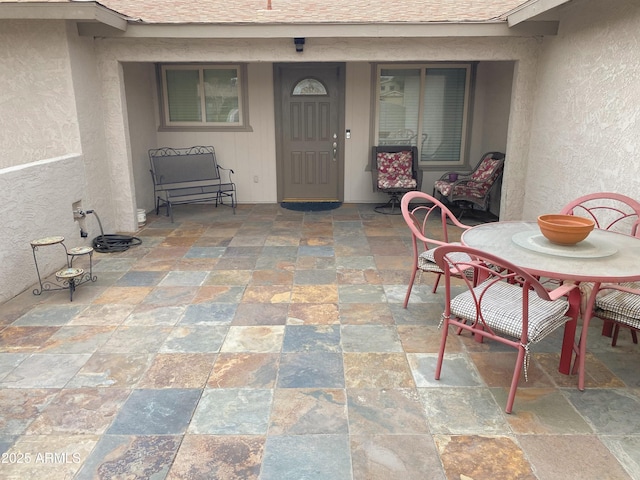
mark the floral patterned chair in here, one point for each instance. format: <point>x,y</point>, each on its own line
<point>395,171</point>
<point>471,190</point>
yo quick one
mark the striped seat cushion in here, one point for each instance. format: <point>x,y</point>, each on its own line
<point>502,310</point>
<point>620,306</point>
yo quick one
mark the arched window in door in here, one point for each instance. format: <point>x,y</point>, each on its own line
<point>309,86</point>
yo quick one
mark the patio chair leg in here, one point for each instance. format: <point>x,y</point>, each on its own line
<point>614,337</point>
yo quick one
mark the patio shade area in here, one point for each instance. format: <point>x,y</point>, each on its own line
<point>272,344</point>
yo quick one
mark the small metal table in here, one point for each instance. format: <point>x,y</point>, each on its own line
<point>69,277</point>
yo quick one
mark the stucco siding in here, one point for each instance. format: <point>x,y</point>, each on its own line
<point>52,154</point>
<point>141,112</point>
<point>36,199</point>
<point>37,98</point>
<point>586,124</point>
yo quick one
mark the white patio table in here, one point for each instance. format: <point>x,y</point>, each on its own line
<point>603,257</point>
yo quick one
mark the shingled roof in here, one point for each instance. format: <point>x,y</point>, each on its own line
<point>304,11</point>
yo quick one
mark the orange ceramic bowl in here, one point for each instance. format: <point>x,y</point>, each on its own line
<point>565,229</point>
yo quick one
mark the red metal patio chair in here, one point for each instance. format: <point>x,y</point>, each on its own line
<point>420,219</point>
<point>507,305</point>
<point>620,213</point>
<point>610,211</point>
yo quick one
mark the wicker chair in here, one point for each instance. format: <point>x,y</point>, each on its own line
<point>395,171</point>
<point>472,190</point>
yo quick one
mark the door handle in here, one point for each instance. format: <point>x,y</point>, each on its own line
<point>335,150</point>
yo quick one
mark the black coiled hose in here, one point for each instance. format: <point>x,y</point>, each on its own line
<point>112,243</point>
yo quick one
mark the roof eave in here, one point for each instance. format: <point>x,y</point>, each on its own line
<point>322,30</point>
<point>531,9</point>
<point>79,11</point>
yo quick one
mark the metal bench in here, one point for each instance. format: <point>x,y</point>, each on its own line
<point>190,175</point>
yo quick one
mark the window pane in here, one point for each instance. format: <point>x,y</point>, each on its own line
<point>443,116</point>
<point>309,86</point>
<point>183,95</point>
<point>399,102</point>
<point>221,95</point>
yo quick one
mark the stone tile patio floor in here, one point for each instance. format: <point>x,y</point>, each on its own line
<point>273,344</point>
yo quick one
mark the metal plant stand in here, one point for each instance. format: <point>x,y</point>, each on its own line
<point>68,278</point>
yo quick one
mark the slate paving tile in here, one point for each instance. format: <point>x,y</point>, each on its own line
<point>260,314</point>
<point>312,338</point>
<point>156,412</point>
<point>386,411</point>
<point>54,457</point>
<point>20,406</point>
<point>9,361</point>
<point>250,370</point>
<point>139,278</point>
<point>311,370</point>
<point>381,457</point>
<point>136,339</point>
<point>116,370</point>
<point>79,411</point>
<point>281,349</point>
<point>309,411</point>
<point>306,456</point>
<point>555,455</point>
<point>232,411</point>
<point>208,314</point>
<point>77,339</point>
<point>49,315</point>
<point>131,457</point>
<point>226,457</point>
<point>45,371</point>
<point>177,370</point>
<point>150,315</point>
<point>195,339</point>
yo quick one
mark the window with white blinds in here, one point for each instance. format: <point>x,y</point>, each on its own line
<point>425,106</point>
<point>202,95</point>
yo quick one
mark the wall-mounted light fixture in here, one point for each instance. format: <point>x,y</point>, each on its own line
<point>299,43</point>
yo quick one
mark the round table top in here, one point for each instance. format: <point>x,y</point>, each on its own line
<point>80,250</point>
<point>47,241</point>
<point>604,256</point>
<point>70,273</point>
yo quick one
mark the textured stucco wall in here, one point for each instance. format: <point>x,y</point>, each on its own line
<point>37,106</point>
<point>97,193</point>
<point>585,133</point>
<point>53,146</point>
<point>36,201</point>
<point>141,109</point>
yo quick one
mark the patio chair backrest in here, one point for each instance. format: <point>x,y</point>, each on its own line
<point>609,210</point>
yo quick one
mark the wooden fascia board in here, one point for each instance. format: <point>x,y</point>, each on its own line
<point>532,9</point>
<point>389,30</point>
<point>85,12</point>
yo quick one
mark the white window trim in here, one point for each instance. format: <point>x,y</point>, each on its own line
<point>243,115</point>
<point>423,68</point>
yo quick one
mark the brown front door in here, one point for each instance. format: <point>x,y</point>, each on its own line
<point>309,126</point>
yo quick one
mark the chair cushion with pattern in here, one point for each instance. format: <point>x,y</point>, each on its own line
<point>486,171</point>
<point>395,170</point>
<point>502,310</point>
<point>444,187</point>
<point>620,306</point>
<point>472,189</point>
